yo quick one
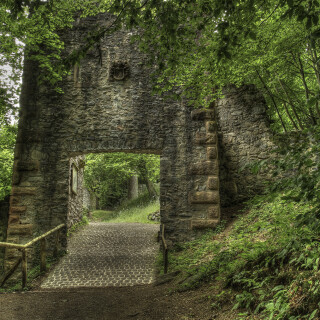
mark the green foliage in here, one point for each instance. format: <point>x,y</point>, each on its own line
<point>7,142</point>
<point>268,261</point>
<point>197,45</point>
<point>107,175</point>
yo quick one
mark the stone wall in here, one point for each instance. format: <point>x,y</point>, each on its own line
<point>76,191</point>
<point>244,137</point>
<point>107,106</point>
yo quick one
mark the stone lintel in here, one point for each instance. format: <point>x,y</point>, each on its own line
<point>203,114</point>
<point>212,153</point>
<point>20,229</point>
<point>198,197</point>
<point>205,138</point>
<point>213,183</point>
<point>204,223</point>
<point>205,168</point>
<point>23,191</point>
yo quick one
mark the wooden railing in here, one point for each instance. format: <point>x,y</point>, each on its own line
<point>23,259</point>
<point>164,250</point>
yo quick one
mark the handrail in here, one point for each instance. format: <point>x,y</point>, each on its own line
<point>23,248</point>
<point>165,250</point>
<point>30,243</point>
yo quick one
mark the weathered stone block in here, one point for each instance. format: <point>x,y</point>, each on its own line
<point>205,138</point>
<point>203,114</point>
<point>201,214</point>
<point>211,126</point>
<point>204,223</point>
<point>17,210</point>
<point>212,153</point>
<point>16,177</point>
<point>23,191</point>
<point>20,229</point>
<point>213,183</point>
<point>14,218</point>
<point>14,200</point>
<point>27,165</point>
<point>205,168</point>
<point>11,254</point>
<point>204,197</point>
<point>214,212</point>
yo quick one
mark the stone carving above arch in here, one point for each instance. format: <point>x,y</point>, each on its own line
<point>119,71</point>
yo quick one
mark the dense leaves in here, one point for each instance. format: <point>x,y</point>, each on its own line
<point>7,141</point>
<point>199,46</point>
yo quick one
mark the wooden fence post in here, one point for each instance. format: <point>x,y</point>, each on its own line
<point>56,245</point>
<point>24,268</point>
<point>43,251</point>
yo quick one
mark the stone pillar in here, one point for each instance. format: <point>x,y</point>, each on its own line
<point>204,199</point>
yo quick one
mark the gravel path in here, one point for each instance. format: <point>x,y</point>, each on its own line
<point>107,254</point>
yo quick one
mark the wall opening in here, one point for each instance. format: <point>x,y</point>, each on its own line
<point>114,187</point>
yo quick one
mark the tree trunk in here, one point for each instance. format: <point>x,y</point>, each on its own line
<point>133,191</point>
<point>151,189</point>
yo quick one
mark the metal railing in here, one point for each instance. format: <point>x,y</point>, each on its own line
<point>23,259</point>
<point>164,250</point>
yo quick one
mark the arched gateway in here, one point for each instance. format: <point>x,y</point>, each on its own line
<point>107,106</point>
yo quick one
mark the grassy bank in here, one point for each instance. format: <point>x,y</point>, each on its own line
<point>266,265</point>
<point>136,210</point>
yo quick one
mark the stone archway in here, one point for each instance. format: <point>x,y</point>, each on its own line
<point>107,106</point>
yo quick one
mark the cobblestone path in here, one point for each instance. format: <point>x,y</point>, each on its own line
<point>107,254</point>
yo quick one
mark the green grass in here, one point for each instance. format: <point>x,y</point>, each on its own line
<point>102,215</point>
<point>136,214</point>
<point>136,210</point>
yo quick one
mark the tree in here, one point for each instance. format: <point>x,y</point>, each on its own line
<point>199,46</point>
<point>108,175</point>
<point>7,142</point>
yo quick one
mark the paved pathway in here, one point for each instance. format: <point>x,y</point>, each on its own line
<point>107,254</point>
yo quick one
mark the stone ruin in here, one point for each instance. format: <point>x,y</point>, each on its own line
<point>107,106</point>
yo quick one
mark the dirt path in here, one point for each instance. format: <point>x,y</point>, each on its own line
<point>139,302</point>
<point>145,302</point>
